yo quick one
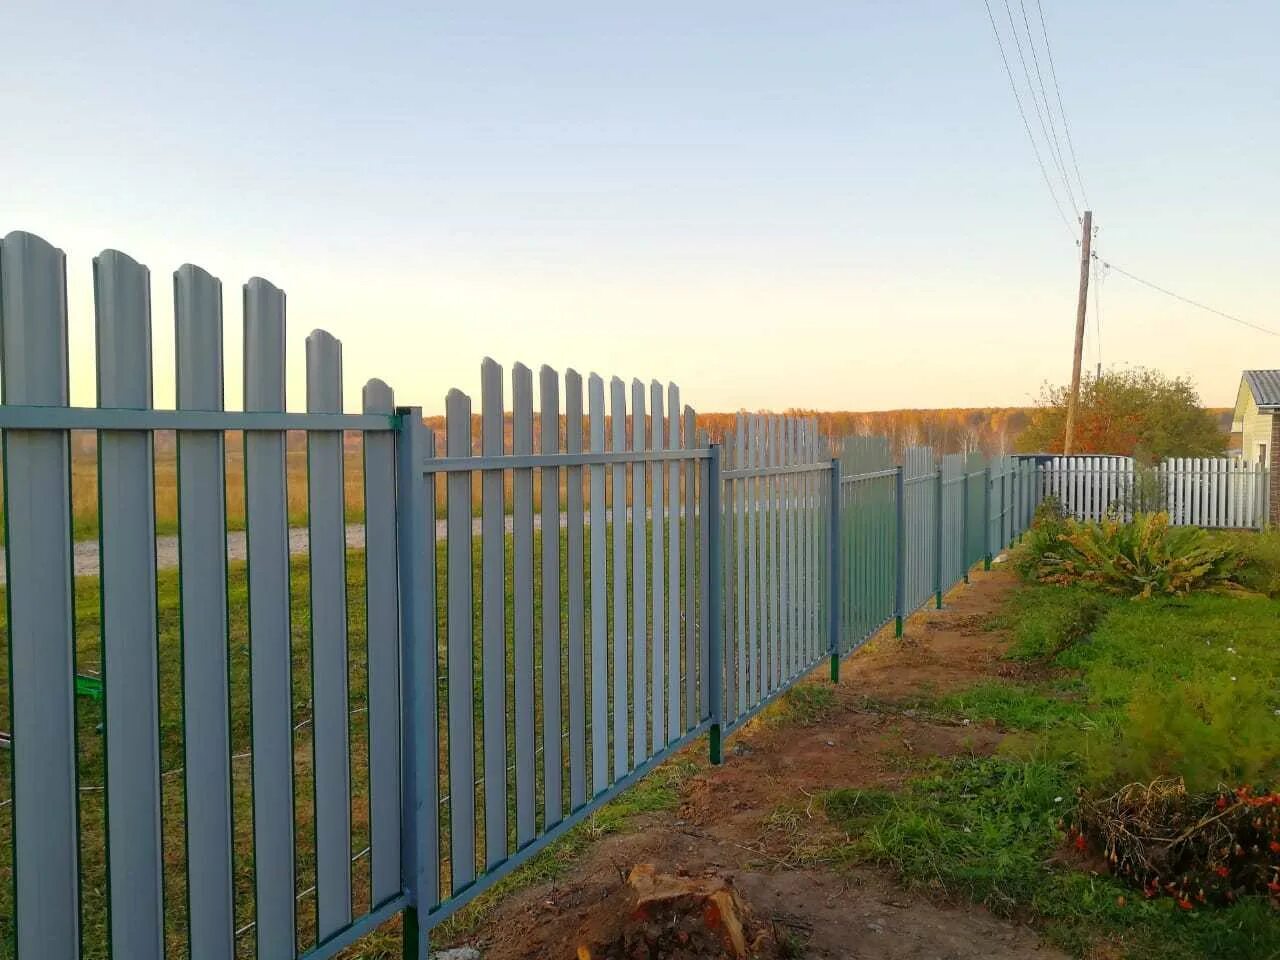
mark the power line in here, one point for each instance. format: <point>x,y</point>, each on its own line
<point>1044,96</point>
<point>1066,128</point>
<point>1097,309</point>
<point>1188,300</point>
<point>1025,124</point>
<point>1048,141</point>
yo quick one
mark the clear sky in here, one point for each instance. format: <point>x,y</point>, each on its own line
<point>817,204</point>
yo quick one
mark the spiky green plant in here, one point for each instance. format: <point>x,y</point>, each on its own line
<point>1139,559</point>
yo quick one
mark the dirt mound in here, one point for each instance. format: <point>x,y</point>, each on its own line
<point>659,916</point>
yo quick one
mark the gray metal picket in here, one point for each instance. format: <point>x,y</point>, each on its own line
<point>267,515</point>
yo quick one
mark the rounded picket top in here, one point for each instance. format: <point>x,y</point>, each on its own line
<point>197,304</point>
<point>324,372</point>
<point>33,320</point>
<point>122,312</point>
<point>264,358</point>
<point>378,397</point>
<point>457,410</point>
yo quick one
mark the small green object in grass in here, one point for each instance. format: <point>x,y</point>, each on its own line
<point>87,686</point>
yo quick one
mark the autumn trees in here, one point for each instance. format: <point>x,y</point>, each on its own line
<point>1135,412</point>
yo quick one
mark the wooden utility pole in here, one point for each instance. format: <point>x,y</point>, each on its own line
<point>1073,401</point>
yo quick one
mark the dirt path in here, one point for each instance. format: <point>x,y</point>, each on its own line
<point>757,820</point>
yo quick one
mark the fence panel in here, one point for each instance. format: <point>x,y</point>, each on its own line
<point>57,852</point>
<point>591,696</point>
<point>775,472</point>
<point>920,489</point>
<point>1214,492</point>
<point>868,545</point>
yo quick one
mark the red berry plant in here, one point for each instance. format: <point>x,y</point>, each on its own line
<point>1200,849</point>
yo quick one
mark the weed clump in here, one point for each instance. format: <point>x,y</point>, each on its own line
<point>1044,623</point>
<point>1140,559</point>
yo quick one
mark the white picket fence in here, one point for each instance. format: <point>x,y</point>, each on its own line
<point>1216,492</point>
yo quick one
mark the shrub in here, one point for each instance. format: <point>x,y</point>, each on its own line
<point>1208,730</point>
<point>1139,559</point>
<point>1260,570</point>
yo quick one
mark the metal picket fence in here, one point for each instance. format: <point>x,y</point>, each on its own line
<point>910,532</point>
<point>531,622</point>
<point>1215,492</point>
<point>777,483</point>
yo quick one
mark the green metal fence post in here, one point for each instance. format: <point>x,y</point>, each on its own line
<point>833,573</point>
<point>900,585</point>
<point>964,522</point>
<point>986,518</point>
<point>937,538</point>
<point>419,837</point>
<point>712,617</point>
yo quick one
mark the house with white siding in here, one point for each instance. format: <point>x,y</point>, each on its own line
<point>1257,403</point>
<point>1257,419</point>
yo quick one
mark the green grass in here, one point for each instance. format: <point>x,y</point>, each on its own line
<point>983,829</point>
<point>1013,706</point>
<point>1045,622</point>
<point>1128,691</point>
<point>806,703</point>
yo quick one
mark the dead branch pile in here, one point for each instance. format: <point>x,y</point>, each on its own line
<point>1200,848</point>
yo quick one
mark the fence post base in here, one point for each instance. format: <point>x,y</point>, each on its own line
<point>835,668</point>
<point>410,935</point>
<point>937,600</point>
<point>986,562</point>
<point>897,626</point>
<point>713,737</point>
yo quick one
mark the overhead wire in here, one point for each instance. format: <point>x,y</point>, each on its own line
<point>1026,124</point>
<point>1062,111</point>
<point>1187,300</point>
<point>1098,276</point>
<point>1044,98</point>
<point>1026,73</point>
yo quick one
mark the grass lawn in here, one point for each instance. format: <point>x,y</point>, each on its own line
<point>1124,691</point>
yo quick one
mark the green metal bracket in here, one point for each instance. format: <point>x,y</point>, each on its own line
<point>87,686</point>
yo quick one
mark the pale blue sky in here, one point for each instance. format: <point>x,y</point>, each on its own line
<point>823,204</point>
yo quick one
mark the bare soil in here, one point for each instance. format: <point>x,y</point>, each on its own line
<point>756,822</point>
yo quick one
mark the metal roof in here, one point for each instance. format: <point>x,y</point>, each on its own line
<point>1265,387</point>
